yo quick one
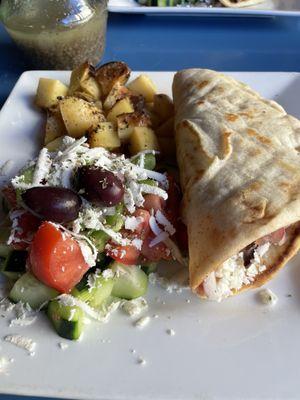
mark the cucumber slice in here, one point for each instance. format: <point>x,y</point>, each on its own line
<point>149,158</point>
<point>99,239</point>
<point>68,321</point>
<point>149,182</point>
<point>14,264</point>
<point>130,281</point>
<point>149,267</point>
<point>95,296</point>
<point>29,290</point>
<point>116,221</point>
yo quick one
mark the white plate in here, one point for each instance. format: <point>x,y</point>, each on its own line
<point>239,349</point>
<point>268,8</point>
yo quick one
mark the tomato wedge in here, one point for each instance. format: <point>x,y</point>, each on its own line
<point>153,202</point>
<point>155,253</point>
<point>127,255</point>
<point>275,237</point>
<point>56,258</point>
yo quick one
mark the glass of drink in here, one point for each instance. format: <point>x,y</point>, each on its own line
<point>57,34</point>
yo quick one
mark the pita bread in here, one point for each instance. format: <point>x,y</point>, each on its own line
<point>239,170</point>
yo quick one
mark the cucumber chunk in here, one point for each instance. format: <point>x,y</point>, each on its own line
<point>99,239</point>
<point>149,160</point>
<point>68,321</point>
<point>14,264</point>
<point>96,295</point>
<point>149,182</point>
<point>149,267</point>
<point>130,281</point>
<point>116,221</point>
<point>29,290</point>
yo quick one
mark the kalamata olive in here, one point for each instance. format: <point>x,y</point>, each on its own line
<point>52,203</point>
<point>99,186</point>
<point>248,254</point>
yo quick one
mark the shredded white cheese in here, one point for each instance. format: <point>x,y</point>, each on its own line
<point>135,307</point>
<point>22,342</point>
<point>142,322</point>
<point>268,297</point>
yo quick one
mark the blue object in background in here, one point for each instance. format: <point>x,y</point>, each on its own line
<point>170,43</point>
<point>157,43</point>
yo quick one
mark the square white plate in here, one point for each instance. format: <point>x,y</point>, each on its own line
<point>268,8</point>
<point>239,349</point>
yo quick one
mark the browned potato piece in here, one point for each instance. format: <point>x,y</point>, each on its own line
<point>167,148</point>
<point>108,75</point>
<point>83,84</point>
<point>142,138</point>
<point>48,92</point>
<point>123,106</point>
<point>166,129</point>
<point>118,92</point>
<point>79,116</point>
<point>104,136</point>
<point>163,106</point>
<point>143,85</point>
<point>127,122</point>
<point>55,126</point>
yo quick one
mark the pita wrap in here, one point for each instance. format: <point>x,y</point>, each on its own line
<point>240,3</point>
<point>240,175</point>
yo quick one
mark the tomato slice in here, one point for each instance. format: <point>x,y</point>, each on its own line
<point>143,229</point>
<point>56,258</point>
<point>127,255</point>
<point>155,253</point>
<point>25,227</point>
<point>275,237</point>
<point>153,202</point>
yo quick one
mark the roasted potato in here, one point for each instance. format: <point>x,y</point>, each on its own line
<point>123,106</point>
<point>55,126</point>
<point>127,122</point>
<point>108,75</point>
<point>118,92</point>
<point>166,129</point>
<point>163,106</point>
<point>142,138</point>
<point>79,116</point>
<point>83,84</point>
<point>144,86</point>
<point>104,135</point>
<point>48,92</point>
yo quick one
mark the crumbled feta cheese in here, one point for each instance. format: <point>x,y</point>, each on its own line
<point>131,223</point>
<point>161,219</point>
<point>149,189</point>
<point>22,342</point>
<point>161,237</point>
<point>169,284</point>
<point>135,307</point>
<point>63,346</point>
<point>142,322</point>
<point>170,332</point>
<point>42,167</point>
<point>268,297</point>
<point>108,273</point>
<point>154,226</point>
<point>4,363</point>
<point>232,274</point>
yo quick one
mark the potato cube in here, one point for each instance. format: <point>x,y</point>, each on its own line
<point>78,75</point>
<point>123,106</point>
<point>48,91</point>
<point>166,129</point>
<point>163,106</point>
<point>104,136</point>
<point>143,138</point>
<point>79,116</point>
<point>127,122</point>
<point>55,144</point>
<point>55,126</point>
<point>118,92</point>
<point>143,85</point>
